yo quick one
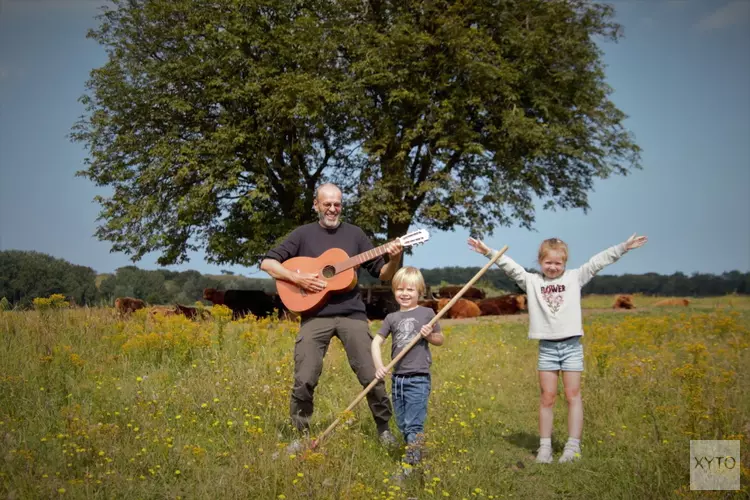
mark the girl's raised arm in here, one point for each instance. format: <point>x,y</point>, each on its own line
<point>609,256</point>
<point>515,271</point>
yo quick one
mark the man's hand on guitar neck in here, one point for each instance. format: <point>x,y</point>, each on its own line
<point>395,248</point>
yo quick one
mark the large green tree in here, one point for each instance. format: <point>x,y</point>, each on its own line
<point>472,111</point>
<point>214,120</point>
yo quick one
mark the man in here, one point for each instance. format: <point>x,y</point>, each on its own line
<point>344,313</point>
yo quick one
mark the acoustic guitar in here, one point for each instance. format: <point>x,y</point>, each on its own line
<point>337,268</point>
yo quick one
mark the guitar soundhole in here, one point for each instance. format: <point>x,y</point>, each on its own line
<point>328,272</point>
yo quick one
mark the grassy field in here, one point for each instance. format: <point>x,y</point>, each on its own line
<point>95,407</point>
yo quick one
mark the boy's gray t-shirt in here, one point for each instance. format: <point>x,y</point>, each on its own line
<point>404,325</point>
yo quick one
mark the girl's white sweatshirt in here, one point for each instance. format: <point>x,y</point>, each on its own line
<point>555,304</point>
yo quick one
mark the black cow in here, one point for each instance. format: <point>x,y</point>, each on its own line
<point>243,302</point>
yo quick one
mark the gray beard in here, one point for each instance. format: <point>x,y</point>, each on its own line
<point>323,222</point>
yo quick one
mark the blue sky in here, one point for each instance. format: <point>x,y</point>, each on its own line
<point>681,73</point>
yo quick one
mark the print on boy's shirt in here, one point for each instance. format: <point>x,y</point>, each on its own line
<point>405,330</point>
<point>553,296</point>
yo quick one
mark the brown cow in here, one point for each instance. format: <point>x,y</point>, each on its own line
<point>448,292</point>
<point>505,304</point>
<point>672,302</point>
<point>461,309</point>
<point>162,311</point>
<point>623,302</point>
<point>521,299</point>
<point>213,295</point>
<point>432,304</point>
<point>489,308</point>
<point>192,312</point>
<point>127,305</point>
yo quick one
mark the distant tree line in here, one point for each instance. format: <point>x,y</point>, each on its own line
<point>677,284</point>
<point>25,275</point>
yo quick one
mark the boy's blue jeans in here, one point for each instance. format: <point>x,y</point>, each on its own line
<point>410,394</point>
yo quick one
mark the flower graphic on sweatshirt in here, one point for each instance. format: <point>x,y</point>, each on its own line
<point>553,296</point>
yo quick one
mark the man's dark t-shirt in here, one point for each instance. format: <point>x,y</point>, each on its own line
<point>312,240</point>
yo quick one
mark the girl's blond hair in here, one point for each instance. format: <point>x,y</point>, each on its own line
<point>554,244</point>
<point>409,276</point>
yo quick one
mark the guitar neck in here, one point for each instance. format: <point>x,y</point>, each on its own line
<point>360,259</point>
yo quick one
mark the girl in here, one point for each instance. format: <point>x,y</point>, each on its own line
<point>554,303</point>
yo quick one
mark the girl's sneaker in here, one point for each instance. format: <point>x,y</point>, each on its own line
<point>544,455</point>
<point>570,453</point>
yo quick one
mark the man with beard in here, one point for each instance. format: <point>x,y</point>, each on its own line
<point>342,316</point>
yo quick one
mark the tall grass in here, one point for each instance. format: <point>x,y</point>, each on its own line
<point>94,406</point>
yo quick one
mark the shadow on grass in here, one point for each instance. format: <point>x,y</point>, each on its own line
<point>530,442</point>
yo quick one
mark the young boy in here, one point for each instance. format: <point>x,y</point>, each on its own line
<point>410,389</point>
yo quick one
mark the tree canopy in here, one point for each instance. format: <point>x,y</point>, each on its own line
<point>213,120</point>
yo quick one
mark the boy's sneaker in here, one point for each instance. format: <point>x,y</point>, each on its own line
<point>570,453</point>
<point>403,472</point>
<point>387,439</point>
<point>544,455</point>
<point>413,455</point>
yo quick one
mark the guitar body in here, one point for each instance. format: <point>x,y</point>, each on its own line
<point>300,301</point>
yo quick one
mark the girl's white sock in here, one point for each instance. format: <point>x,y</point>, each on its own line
<point>545,442</point>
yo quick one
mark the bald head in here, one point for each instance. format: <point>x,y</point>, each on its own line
<point>328,205</point>
<point>327,190</point>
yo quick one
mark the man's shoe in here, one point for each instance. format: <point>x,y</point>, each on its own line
<point>387,439</point>
<point>297,446</point>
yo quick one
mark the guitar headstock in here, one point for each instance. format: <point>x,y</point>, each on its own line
<point>414,238</point>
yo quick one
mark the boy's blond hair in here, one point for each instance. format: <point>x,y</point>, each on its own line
<point>409,276</point>
<point>553,244</point>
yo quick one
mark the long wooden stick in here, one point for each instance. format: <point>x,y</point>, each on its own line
<point>317,442</point>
